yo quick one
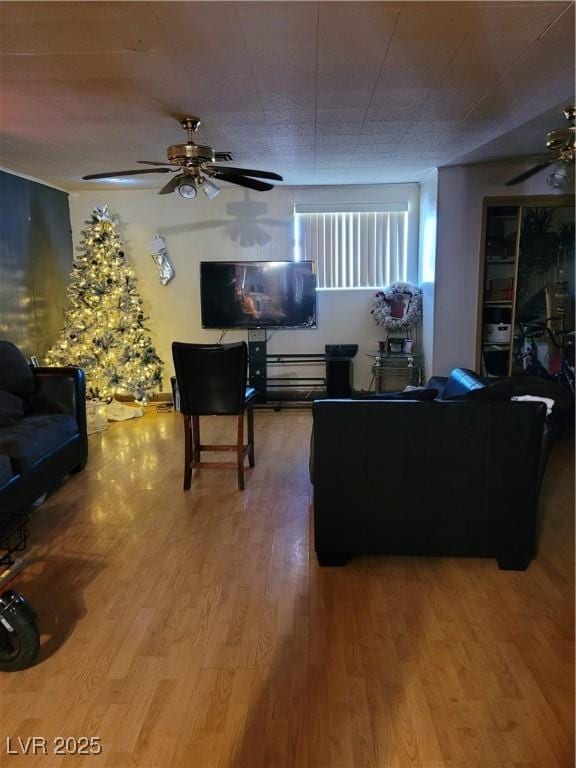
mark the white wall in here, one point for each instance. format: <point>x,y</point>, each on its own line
<point>461,191</point>
<point>238,225</point>
<point>427,263</point>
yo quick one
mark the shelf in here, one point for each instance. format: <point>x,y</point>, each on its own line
<point>394,355</point>
<point>505,259</point>
<point>497,212</point>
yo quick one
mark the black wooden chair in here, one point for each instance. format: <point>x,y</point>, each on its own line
<point>212,382</point>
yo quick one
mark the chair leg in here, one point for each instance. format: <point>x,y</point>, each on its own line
<point>250,415</point>
<point>187,453</point>
<point>196,438</point>
<point>240,451</point>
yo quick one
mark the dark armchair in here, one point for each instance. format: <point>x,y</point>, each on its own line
<point>42,427</point>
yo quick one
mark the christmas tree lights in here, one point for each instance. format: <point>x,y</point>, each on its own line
<point>104,332</point>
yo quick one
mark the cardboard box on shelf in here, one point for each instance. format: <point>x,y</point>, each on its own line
<point>500,289</point>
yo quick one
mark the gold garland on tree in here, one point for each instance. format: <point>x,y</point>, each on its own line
<point>104,331</point>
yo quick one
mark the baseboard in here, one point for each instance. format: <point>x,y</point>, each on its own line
<point>155,397</point>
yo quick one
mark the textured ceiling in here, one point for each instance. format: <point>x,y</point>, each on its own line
<point>324,93</point>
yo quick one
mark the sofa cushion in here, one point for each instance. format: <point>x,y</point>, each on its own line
<point>505,389</point>
<point>423,394</point>
<point>559,421</point>
<point>15,374</point>
<point>36,437</point>
<point>11,409</point>
<point>6,473</point>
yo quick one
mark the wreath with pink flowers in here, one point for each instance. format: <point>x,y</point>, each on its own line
<point>398,306</point>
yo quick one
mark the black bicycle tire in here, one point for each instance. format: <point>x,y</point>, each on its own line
<point>28,636</point>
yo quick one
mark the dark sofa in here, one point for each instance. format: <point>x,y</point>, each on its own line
<point>455,476</point>
<point>42,428</point>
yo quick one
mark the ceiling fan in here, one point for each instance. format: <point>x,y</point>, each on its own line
<point>195,163</point>
<point>562,143</point>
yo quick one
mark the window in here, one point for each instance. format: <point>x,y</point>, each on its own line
<point>353,246</point>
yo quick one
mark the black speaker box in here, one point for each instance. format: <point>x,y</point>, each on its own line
<point>339,377</point>
<point>341,350</point>
<point>257,369</point>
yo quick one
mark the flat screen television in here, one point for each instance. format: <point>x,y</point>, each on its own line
<point>258,294</point>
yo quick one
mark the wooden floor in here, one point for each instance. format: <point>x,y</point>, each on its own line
<point>196,629</point>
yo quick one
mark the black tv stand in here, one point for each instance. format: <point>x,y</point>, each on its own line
<point>283,391</point>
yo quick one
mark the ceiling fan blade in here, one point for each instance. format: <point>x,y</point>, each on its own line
<point>153,162</point>
<point>116,174</point>
<point>242,181</point>
<point>528,174</point>
<point>247,172</point>
<point>167,189</point>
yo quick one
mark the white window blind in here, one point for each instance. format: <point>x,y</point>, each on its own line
<point>361,248</point>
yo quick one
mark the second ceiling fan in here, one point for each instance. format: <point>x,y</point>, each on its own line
<point>561,146</point>
<point>194,165</point>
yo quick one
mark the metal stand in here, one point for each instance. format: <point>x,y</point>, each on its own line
<point>297,390</point>
<point>394,371</point>
<point>281,391</point>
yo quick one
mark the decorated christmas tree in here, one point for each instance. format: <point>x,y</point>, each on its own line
<point>104,329</point>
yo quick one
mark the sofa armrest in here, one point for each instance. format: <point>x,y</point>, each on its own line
<point>61,390</point>
<point>460,383</point>
<point>438,383</point>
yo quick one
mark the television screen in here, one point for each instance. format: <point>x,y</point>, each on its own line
<point>258,294</point>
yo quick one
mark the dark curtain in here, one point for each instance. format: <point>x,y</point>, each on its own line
<point>35,262</point>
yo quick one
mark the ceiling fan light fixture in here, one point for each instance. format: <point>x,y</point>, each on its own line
<point>559,179</point>
<point>210,189</point>
<point>187,189</point>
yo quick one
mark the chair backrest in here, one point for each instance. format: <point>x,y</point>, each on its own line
<point>211,377</point>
